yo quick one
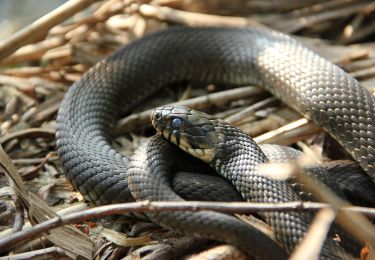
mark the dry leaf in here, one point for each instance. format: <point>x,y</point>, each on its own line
<point>123,240</point>
<point>67,237</point>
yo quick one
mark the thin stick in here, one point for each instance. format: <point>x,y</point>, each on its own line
<point>176,249</point>
<point>31,132</point>
<point>241,116</point>
<point>308,21</point>
<point>195,19</point>
<point>288,132</point>
<point>220,252</point>
<point>353,222</point>
<point>45,253</point>
<point>131,122</point>
<point>34,51</point>
<point>312,243</point>
<point>147,206</point>
<point>41,26</point>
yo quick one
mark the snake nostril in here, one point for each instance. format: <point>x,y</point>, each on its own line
<point>157,116</point>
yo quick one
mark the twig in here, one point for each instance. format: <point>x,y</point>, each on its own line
<point>24,84</point>
<point>19,216</point>
<point>323,6</point>
<point>71,209</point>
<point>44,110</point>
<point>239,117</point>
<point>24,72</point>
<point>290,133</point>
<point>131,122</point>
<point>36,243</point>
<point>52,156</point>
<point>361,33</point>
<point>30,132</point>
<point>39,211</point>
<point>105,11</point>
<point>19,83</point>
<point>40,27</point>
<point>347,33</point>
<point>30,173</point>
<point>45,253</point>
<point>195,19</point>
<point>353,222</point>
<point>313,241</point>
<point>221,252</point>
<point>34,51</point>
<point>359,65</point>
<point>365,73</point>
<point>292,26</point>
<point>278,6</point>
<point>176,249</point>
<point>147,206</point>
<point>352,56</point>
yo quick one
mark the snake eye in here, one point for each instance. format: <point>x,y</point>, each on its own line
<point>176,123</point>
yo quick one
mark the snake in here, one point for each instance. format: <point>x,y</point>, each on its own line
<point>308,83</point>
<point>234,155</point>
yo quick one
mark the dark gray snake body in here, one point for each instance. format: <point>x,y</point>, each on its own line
<point>310,84</point>
<point>235,156</point>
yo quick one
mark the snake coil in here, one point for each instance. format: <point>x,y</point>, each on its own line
<point>310,84</point>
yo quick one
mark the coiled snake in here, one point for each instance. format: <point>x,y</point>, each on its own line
<point>308,83</point>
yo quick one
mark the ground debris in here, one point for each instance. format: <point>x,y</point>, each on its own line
<point>34,75</point>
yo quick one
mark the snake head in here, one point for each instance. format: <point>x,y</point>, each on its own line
<point>191,130</point>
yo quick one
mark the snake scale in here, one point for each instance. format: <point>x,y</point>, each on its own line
<point>308,83</point>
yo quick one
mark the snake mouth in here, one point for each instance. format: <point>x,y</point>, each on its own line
<point>190,130</point>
